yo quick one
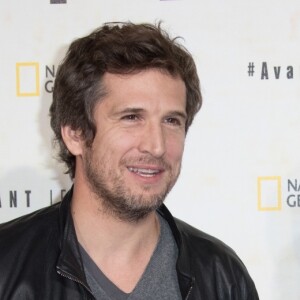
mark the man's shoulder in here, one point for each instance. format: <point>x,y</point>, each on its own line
<point>29,248</point>
<point>206,251</point>
<point>210,258</point>
<point>34,226</point>
<point>201,240</point>
<point>194,240</point>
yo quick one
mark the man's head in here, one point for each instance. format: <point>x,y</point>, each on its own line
<point>122,48</point>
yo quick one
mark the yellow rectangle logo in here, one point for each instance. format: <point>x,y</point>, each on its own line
<point>269,193</point>
<point>27,79</point>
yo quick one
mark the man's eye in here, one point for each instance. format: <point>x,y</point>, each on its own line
<point>173,121</point>
<point>130,117</point>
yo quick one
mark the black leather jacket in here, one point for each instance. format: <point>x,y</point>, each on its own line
<point>40,259</point>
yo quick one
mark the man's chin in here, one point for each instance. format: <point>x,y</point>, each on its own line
<point>133,214</point>
<point>137,208</point>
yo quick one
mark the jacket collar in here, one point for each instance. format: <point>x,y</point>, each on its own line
<point>70,262</point>
<point>183,266</point>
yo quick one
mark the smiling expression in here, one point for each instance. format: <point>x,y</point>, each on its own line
<point>135,158</point>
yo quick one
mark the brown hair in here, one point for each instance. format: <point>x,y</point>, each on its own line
<point>118,48</point>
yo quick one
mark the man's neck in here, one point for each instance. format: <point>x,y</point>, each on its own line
<point>121,249</point>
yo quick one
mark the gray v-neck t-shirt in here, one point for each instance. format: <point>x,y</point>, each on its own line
<point>159,280</point>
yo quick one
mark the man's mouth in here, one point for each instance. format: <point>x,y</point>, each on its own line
<point>144,172</point>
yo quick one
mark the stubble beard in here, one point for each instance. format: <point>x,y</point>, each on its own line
<point>117,199</point>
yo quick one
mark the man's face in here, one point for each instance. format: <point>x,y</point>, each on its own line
<point>136,155</point>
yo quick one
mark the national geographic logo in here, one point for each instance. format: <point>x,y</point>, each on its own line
<point>271,196</point>
<point>28,78</point>
<point>269,193</point>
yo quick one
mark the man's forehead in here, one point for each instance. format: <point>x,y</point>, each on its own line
<point>144,90</point>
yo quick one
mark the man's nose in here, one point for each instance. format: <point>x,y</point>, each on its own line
<point>153,140</point>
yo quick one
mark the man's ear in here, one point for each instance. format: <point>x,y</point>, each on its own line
<point>72,139</point>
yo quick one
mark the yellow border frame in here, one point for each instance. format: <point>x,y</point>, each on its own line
<point>37,79</point>
<point>279,198</point>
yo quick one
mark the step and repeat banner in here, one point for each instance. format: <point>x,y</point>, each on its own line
<point>240,179</point>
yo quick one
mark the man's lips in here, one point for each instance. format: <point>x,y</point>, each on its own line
<point>145,171</point>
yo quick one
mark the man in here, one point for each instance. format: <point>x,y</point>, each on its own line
<point>123,101</point>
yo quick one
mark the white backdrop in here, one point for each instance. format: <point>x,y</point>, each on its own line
<point>240,179</point>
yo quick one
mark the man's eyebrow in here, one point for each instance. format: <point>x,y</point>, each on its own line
<point>137,110</point>
<point>131,110</point>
